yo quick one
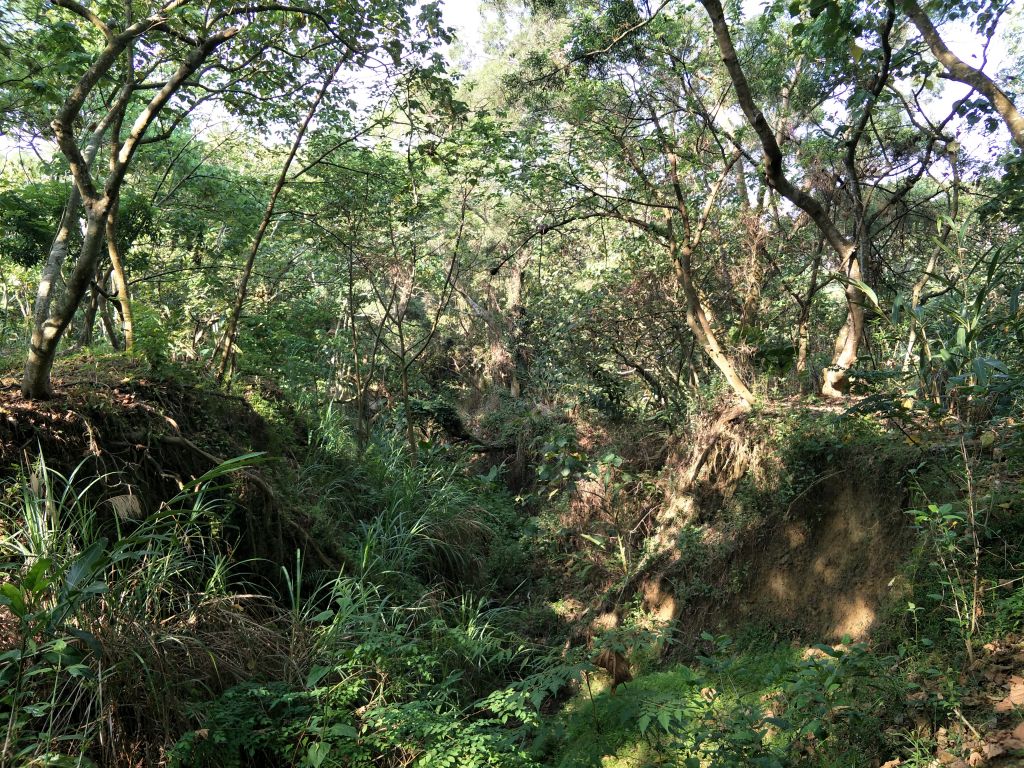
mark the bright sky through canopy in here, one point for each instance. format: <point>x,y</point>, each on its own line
<point>467,17</point>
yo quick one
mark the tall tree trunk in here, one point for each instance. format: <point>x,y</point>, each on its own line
<point>410,426</point>
<point>504,319</point>
<point>4,310</point>
<point>517,321</point>
<point>119,280</point>
<point>226,346</point>
<point>46,335</point>
<point>362,409</point>
<point>500,368</point>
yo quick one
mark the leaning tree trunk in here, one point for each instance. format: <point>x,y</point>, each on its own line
<point>47,334</point>
<point>699,323</point>
<point>959,70</point>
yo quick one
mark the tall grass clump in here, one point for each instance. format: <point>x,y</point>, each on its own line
<point>435,682</point>
<point>112,621</point>
<point>406,521</point>
<point>414,656</point>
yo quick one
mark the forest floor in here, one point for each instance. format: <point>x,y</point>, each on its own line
<point>788,584</point>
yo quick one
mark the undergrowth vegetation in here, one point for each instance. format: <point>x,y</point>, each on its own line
<point>443,637</point>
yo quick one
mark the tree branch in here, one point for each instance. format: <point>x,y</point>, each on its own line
<point>959,70</point>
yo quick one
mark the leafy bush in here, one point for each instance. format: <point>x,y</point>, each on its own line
<point>152,335</point>
<point>738,707</point>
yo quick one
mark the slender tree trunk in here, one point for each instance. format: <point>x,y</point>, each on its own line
<point>106,316</point>
<point>50,277</point>
<point>806,304</point>
<point>697,320</point>
<point>921,283</point>
<point>119,280</point>
<point>4,313</point>
<point>85,334</point>
<point>752,276</point>
<point>410,427</point>
<point>835,377</point>
<point>504,320</point>
<point>362,412</point>
<point>517,321</point>
<point>803,338</point>
<point>231,331</point>
<point>500,364</point>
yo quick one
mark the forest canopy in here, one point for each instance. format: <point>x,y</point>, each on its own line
<point>704,193</point>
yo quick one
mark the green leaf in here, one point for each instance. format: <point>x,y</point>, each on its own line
<point>663,719</point>
<point>867,291</point>
<point>342,730</point>
<point>317,753</point>
<point>85,567</point>
<point>814,727</point>
<point>34,581</point>
<point>980,372</point>
<point>14,598</point>
<point>316,674</point>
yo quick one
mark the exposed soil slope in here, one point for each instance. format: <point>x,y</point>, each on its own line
<point>825,569</point>
<point>149,436</point>
<point>761,521</point>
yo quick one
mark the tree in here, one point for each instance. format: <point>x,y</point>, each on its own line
<point>834,27</point>
<point>169,51</point>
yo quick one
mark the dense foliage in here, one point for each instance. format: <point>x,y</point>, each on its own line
<point>547,346</point>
